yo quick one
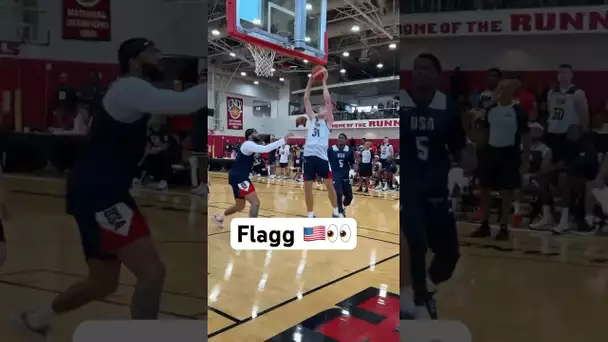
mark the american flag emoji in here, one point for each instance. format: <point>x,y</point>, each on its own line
<point>314,233</point>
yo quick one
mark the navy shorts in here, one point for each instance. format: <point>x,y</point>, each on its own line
<point>316,167</point>
<point>240,189</point>
<point>283,165</point>
<point>113,225</point>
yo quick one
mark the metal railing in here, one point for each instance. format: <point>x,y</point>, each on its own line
<point>426,6</point>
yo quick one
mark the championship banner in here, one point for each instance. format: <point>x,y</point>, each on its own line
<point>235,113</point>
<point>87,20</point>
<point>363,124</point>
<point>541,21</point>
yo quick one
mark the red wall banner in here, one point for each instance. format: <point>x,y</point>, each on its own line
<point>235,112</point>
<point>87,20</point>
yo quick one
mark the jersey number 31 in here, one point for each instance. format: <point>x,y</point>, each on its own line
<point>422,147</point>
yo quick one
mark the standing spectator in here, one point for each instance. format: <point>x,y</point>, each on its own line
<point>526,100</point>
<point>93,93</point>
<point>66,102</point>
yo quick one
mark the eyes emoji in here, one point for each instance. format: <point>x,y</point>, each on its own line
<point>345,233</point>
<point>333,233</point>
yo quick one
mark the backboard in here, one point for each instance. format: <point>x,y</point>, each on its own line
<point>295,28</point>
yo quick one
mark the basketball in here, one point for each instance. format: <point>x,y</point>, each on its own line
<point>319,73</point>
<point>301,121</point>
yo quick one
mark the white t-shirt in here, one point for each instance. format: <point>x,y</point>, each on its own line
<point>130,98</point>
<point>366,156</point>
<point>249,147</point>
<point>284,154</point>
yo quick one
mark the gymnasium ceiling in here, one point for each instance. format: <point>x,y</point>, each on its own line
<point>378,20</point>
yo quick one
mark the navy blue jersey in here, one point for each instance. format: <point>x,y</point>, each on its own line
<point>431,135</point>
<point>109,160</point>
<point>241,167</point>
<point>341,159</point>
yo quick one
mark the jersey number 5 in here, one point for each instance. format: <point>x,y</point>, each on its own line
<point>315,132</point>
<point>341,162</point>
<point>422,147</point>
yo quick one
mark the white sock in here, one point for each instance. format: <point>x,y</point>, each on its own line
<point>546,212</point>
<point>516,207</point>
<point>565,219</point>
<point>311,214</point>
<point>40,319</point>
<point>407,299</point>
<point>336,212</point>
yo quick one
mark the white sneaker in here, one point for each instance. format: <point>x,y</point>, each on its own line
<point>385,187</point>
<point>218,220</point>
<point>200,190</point>
<point>543,223</point>
<point>378,188</point>
<point>560,228</point>
<point>162,185</point>
<point>601,195</point>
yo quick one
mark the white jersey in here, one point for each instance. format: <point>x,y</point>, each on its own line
<point>366,156</point>
<point>562,110</point>
<point>317,139</point>
<point>284,154</point>
<point>385,151</point>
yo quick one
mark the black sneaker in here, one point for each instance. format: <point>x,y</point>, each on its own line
<point>431,307</point>
<point>360,189</point>
<point>366,191</point>
<point>481,232</point>
<point>503,235</point>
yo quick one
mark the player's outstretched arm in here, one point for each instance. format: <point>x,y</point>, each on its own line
<point>249,147</point>
<point>143,97</point>
<point>307,104</point>
<point>328,105</point>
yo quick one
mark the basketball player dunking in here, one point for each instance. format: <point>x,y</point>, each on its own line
<point>567,106</point>
<point>316,162</point>
<point>238,176</point>
<point>112,228</point>
<point>342,159</point>
<point>433,134</point>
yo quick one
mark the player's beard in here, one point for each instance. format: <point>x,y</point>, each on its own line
<point>153,72</point>
<point>256,139</point>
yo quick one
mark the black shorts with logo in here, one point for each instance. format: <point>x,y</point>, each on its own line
<point>499,168</point>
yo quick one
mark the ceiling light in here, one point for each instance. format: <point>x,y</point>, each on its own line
<point>215,32</point>
<point>345,54</point>
<point>232,54</point>
<point>392,46</point>
<point>342,71</point>
<point>380,65</point>
<point>306,39</point>
<point>257,22</point>
<point>256,82</point>
<point>281,79</point>
<point>309,7</point>
<point>273,69</point>
<point>243,73</point>
<point>306,61</point>
<point>308,75</point>
<point>355,28</point>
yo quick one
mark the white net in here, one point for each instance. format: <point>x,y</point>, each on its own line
<point>264,60</point>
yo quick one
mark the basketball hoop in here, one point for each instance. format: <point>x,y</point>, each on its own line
<point>264,60</point>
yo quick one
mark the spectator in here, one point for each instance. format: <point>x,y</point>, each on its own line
<point>82,120</point>
<point>526,100</point>
<point>93,93</point>
<point>157,161</point>
<point>66,102</point>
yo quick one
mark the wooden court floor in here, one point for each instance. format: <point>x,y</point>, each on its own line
<point>256,295</point>
<point>45,257</point>
<point>534,288</point>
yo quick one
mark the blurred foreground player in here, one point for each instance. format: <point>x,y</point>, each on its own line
<point>3,218</point>
<point>238,176</point>
<point>432,134</point>
<point>342,159</point>
<point>113,230</point>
